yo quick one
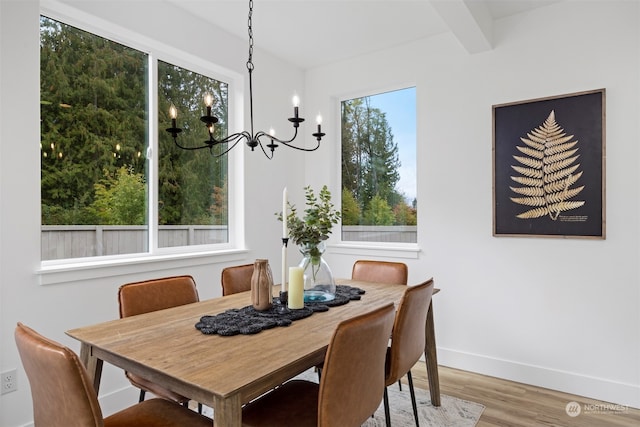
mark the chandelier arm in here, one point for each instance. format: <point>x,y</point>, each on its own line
<point>229,148</point>
<point>301,148</point>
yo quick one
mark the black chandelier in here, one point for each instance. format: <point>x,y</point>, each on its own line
<point>252,139</point>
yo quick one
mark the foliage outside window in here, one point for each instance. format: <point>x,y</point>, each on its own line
<point>94,136</point>
<point>378,168</point>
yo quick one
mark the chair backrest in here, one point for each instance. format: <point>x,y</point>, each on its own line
<point>352,382</point>
<point>236,279</point>
<point>61,391</point>
<point>157,294</point>
<point>380,271</point>
<point>408,336</point>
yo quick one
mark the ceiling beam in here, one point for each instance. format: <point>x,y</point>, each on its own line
<point>469,20</point>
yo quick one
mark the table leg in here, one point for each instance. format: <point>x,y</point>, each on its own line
<point>92,364</point>
<point>227,412</point>
<point>432,358</point>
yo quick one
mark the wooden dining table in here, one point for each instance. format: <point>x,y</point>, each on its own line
<point>226,372</point>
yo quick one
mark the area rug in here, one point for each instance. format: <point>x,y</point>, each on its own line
<point>453,412</point>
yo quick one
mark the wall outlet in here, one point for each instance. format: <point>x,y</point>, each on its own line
<point>9,381</point>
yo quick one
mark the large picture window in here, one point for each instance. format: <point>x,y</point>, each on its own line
<point>95,135</point>
<point>379,201</point>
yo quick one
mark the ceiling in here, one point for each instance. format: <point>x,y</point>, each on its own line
<point>310,33</point>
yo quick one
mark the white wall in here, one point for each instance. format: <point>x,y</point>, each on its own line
<point>82,298</point>
<point>570,323</point>
<point>562,314</point>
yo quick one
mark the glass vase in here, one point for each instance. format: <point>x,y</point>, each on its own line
<point>319,285</point>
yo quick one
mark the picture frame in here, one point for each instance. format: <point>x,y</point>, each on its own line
<point>549,166</point>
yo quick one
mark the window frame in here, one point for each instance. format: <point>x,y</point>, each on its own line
<point>72,269</point>
<point>370,248</point>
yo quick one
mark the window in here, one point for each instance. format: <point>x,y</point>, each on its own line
<point>95,132</point>
<point>192,185</point>
<point>379,201</point>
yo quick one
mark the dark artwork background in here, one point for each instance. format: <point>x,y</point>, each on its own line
<point>581,115</point>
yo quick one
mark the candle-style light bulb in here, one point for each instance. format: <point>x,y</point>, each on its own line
<point>296,104</point>
<point>208,102</point>
<point>173,113</point>
<point>208,99</point>
<point>319,122</point>
<point>272,132</point>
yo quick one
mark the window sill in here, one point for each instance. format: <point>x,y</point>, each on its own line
<point>50,274</point>
<point>386,250</point>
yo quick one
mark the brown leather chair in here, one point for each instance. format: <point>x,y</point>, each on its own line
<point>63,394</point>
<point>407,340</point>
<point>152,295</point>
<point>350,389</point>
<point>236,279</point>
<point>380,271</point>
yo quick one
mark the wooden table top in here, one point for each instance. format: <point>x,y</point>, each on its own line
<point>165,347</point>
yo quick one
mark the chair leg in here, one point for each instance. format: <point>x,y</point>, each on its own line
<point>141,396</point>
<point>387,415</point>
<point>200,408</point>
<point>400,385</point>
<point>185,404</point>
<point>413,399</point>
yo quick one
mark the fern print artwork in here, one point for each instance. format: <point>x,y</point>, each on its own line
<point>548,172</point>
<point>549,166</point>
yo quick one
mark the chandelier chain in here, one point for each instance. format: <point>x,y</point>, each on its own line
<point>250,31</point>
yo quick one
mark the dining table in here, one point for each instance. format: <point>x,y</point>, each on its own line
<point>226,372</point>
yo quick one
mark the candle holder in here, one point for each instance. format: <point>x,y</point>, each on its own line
<point>281,303</point>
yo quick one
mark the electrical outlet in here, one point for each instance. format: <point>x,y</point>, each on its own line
<point>9,381</point>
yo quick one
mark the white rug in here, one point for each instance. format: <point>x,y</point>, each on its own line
<point>453,412</point>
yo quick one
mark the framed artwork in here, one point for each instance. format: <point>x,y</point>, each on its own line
<point>549,167</point>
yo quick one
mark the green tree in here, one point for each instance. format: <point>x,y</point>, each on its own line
<point>121,200</point>
<point>187,178</point>
<point>350,208</point>
<point>378,212</point>
<point>405,215</point>
<point>370,161</point>
<point>93,117</point>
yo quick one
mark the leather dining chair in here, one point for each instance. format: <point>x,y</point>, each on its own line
<point>350,390</point>
<point>236,279</point>
<point>152,295</point>
<point>380,271</point>
<point>63,394</point>
<point>407,340</point>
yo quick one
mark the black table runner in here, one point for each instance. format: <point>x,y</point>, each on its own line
<point>247,320</point>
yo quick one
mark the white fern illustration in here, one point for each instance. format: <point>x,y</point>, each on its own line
<point>547,171</point>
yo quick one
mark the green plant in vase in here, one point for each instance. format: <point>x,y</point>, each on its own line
<point>311,230</point>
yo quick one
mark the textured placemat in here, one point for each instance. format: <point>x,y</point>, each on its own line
<point>247,320</point>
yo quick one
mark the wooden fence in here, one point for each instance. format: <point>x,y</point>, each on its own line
<point>78,241</point>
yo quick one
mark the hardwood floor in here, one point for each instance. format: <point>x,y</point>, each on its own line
<point>519,405</point>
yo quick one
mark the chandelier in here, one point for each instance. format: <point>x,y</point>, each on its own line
<point>266,141</point>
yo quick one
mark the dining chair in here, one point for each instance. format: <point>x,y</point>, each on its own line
<point>152,295</point>
<point>407,340</point>
<point>236,279</point>
<point>351,388</point>
<point>63,394</point>
<point>380,271</point>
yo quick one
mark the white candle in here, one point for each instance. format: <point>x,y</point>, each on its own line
<point>283,287</point>
<point>285,229</point>
<point>296,288</point>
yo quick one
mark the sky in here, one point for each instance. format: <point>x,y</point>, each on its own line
<point>400,109</point>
